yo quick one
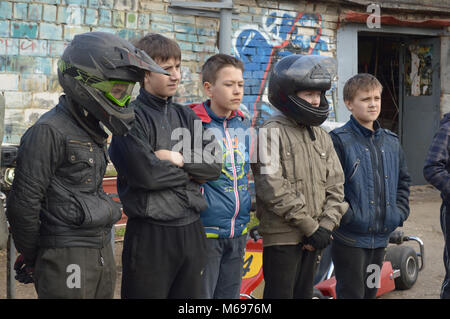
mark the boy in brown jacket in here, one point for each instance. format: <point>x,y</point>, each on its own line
<point>301,201</point>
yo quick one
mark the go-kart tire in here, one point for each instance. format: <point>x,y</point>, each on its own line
<point>317,294</point>
<point>405,259</point>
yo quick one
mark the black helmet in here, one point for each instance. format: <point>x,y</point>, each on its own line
<point>99,70</point>
<point>295,73</point>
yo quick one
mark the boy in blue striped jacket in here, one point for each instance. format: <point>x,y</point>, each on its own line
<point>226,218</point>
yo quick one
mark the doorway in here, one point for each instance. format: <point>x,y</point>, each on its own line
<point>408,68</point>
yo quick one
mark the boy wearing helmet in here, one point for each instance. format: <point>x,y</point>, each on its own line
<point>60,216</point>
<point>376,188</point>
<point>302,201</point>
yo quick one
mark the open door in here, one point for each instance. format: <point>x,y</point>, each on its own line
<point>419,69</point>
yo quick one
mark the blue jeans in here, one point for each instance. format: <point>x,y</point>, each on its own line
<point>223,272</point>
<point>445,225</point>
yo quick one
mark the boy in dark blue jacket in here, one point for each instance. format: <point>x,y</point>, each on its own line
<point>437,172</point>
<point>376,187</point>
<point>225,220</point>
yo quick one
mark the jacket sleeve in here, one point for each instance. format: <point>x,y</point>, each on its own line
<point>335,205</point>
<point>404,181</point>
<point>40,152</point>
<point>273,189</point>
<point>204,161</point>
<point>135,160</point>
<point>435,169</point>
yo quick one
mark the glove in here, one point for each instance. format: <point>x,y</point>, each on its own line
<point>24,273</point>
<point>320,239</point>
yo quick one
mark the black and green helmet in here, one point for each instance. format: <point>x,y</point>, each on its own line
<point>99,70</point>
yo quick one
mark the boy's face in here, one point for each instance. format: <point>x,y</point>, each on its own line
<point>226,93</point>
<point>161,85</point>
<point>310,96</point>
<point>366,106</point>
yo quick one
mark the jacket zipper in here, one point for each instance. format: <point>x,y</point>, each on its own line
<point>83,143</point>
<point>377,179</point>
<point>236,194</point>
<point>311,176</point>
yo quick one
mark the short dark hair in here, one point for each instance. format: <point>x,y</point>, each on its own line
<point>361,81</point>
<point>158,47</point>
<point>215,63</point>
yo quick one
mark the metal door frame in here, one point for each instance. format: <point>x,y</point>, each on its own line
<point>347,54</point>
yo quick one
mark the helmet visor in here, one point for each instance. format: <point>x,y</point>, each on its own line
<point>117,91</point>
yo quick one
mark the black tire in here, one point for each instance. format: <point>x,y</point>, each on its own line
<point>404,258</point>
<point>317,294</point>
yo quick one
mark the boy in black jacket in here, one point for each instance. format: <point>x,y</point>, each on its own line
<point>164,247</point>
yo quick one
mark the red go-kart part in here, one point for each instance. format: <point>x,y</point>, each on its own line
<point>252,268</point>
<point>386,284</point>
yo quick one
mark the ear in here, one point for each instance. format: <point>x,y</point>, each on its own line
<point>146,80</point>
<point>349,105</point>
<point>207,88</point>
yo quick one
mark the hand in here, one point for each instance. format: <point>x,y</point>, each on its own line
<point>173,157</point>
<point>320,239</point>
<point>308,247</point>
<point>24,272</point>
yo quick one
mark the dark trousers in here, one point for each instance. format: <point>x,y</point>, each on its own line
<point>352,272</point>
<point>75,273</point>
<point>161,262</point>
<point>288,272</point>
<point>445,225</point>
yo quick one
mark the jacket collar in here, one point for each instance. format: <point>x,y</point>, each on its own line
<point>88,123</point>
<point>363,130</point>
<point>205,113</point>
<point>153,101</point>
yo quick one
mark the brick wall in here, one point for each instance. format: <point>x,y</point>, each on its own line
<point>33,34</point>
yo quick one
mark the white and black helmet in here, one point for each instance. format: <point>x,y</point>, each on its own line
<point>98,70</point>
<point>295,73</point>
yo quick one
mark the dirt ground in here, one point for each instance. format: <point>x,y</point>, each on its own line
<point>423,222</point>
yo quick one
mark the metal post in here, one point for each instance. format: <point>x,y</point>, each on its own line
<point>10,273</point>
<point>3,223</point>
<point>226,27</point>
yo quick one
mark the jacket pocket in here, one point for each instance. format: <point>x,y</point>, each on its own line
<point>320,157</point>
<point>347,217</point>
<point>354,169</point>
<point>392,220</point>
<point>359,220</point>
<point>79,168</point>
<point>98,211</point>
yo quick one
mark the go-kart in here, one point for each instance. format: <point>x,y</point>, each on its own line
<point>400,269</point>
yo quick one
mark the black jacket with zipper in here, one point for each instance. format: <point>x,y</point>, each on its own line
<point>157,190</point>
<point>57,197</point>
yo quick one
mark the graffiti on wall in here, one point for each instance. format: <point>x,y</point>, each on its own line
<point>260,47</point>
